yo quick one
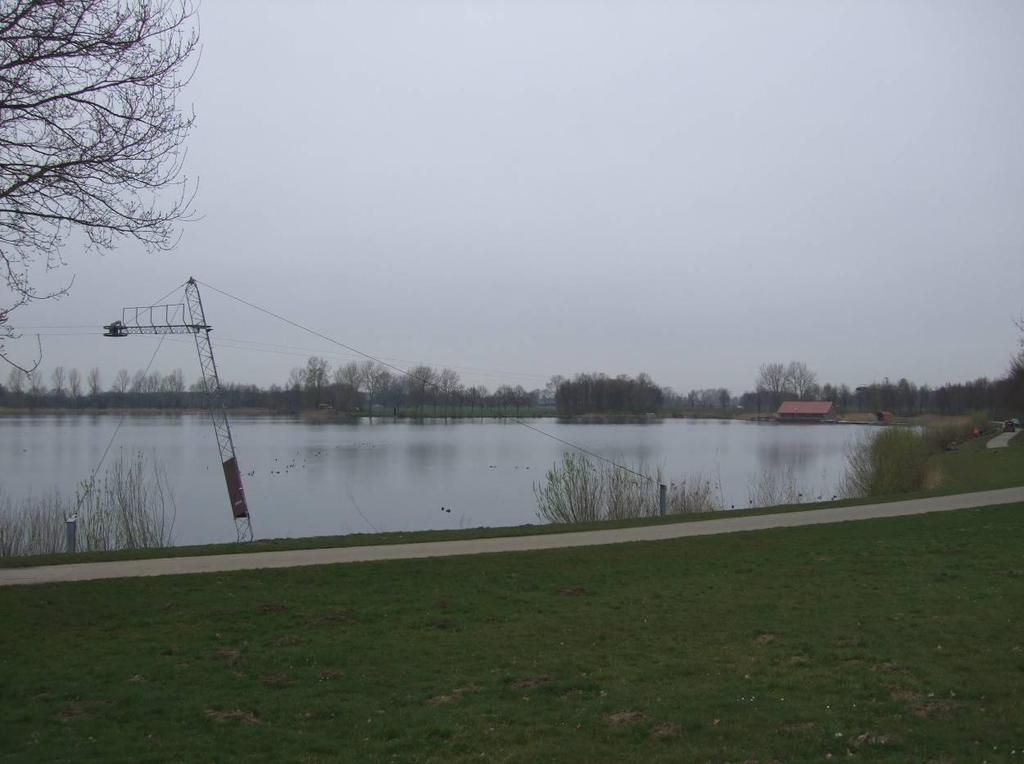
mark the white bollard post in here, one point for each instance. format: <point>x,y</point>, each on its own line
<point>70,527</point>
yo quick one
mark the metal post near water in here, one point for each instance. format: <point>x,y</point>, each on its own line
<point>662,499</point>
<point>70,524</point>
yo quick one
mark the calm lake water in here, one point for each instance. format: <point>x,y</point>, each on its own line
<point>313,479</point>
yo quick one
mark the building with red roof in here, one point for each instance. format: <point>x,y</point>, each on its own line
<point>806,411</point>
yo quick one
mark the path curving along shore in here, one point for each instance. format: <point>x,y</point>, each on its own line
<point>1002,440</point>
<point>170,566</point>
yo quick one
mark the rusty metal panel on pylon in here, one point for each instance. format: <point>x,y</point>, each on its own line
<point>235,493</point>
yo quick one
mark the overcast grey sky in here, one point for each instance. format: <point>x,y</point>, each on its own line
<point>531,188</point>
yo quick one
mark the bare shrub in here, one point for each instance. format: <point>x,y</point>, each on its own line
<point>692,495</point>
<point>576,490</point>
<point>131,507</point>
<point>628,495</point>
<point>36,526</point>
<point>774,487</point>
<point>572,492</point>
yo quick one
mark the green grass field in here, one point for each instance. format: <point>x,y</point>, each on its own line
<point>888,640</point>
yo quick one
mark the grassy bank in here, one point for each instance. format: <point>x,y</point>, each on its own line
<point>890,640</point>
<point>974,467</point>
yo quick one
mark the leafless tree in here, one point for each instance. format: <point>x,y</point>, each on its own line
<point>422,381</point>
<point>138,381</point>
<point>122,381</point>
<point>35,382</point>
<point>376,379</point>
<point>800,380</point>
<point>296,378</point>
<point>91,136</point>
<point>316,375</point>
<point>724,397</point>
<point>174,382</point>
<point>350,374</point>
<point>58,377</point>
<point>74,383</point>
<point>771,379</point>
<point>94,382</point>
<point>1015,375</point>
<point>16,380</point>
<point>448,384</point>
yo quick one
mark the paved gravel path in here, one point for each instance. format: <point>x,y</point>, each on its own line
<point>1001,441</point>
<point>215,563</point>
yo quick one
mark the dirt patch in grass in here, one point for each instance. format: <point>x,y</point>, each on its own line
<point>229,656</point>
<point>79,709</point>
<point>273,607</point>
<point>287,640</point>
<point>276,680</point>
<point>333,616</point>
<point>623,718</point>
<point>327,676</point>
<point>530,682</point>
<point>872,738</point>
<point>935,708</point>
<point>925,707</point>
<point>799,728</point>
<point>764,638</point>
<point>136,679</point>
<point>850,642</point>
<point>238,715</point>
<point>454,695</point>
<point>439,700</point>
<point>572,591</point>
<point>665,731</point>
<point>906,696</point>
<point>443,624</point>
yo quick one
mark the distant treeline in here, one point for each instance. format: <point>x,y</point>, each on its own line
<point>777,382</point>
<point>373,388</point>
<point>352,388</point>
<point>598,393</point>
<point>903,398</point>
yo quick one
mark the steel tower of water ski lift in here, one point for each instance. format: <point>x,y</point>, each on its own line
<point>171,319</point>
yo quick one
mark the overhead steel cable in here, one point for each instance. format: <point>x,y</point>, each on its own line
<point>230,343</point>
<point>120,421</point>
<point>409,374</point>
<point>315,333</point>
<point>583,450</point>
<point>159,300</point>
<point>113,437</point>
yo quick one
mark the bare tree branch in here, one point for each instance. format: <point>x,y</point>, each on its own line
<point>35,364</point>
<point>91,135</point>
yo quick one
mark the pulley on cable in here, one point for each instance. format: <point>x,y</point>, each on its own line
<point>171,319</point>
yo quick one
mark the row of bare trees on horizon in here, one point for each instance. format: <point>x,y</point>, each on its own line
<point>370,386</point>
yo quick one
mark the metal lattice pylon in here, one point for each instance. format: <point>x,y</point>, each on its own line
<point>164,319</point>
